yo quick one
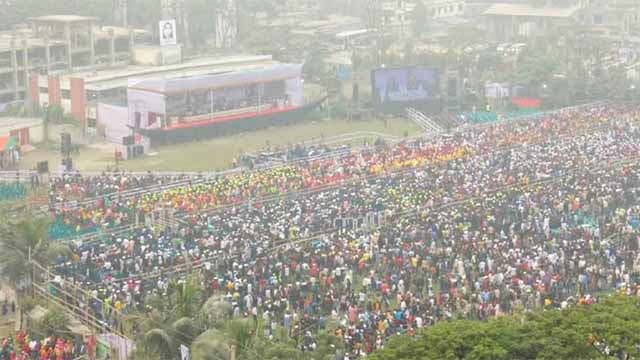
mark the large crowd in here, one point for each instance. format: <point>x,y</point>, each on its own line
<point>391,238</point>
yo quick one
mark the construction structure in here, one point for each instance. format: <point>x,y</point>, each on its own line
<point>59,44</point>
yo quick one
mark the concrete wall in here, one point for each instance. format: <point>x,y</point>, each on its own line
<point>157,55</point>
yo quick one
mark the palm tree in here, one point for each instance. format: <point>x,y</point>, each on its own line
<point>26,241</point>
<point>235,340</point>
<point>211,345</point>
<point>174,321</point>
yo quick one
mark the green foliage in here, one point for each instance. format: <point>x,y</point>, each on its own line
<point>326,347</point>
<point>181,318</point>
<point>54,322</point>
<point>18,11</point>
<point>536,68</point>
<point>462,36</point>
<point>210,345</point>
<point>215,311</point>
<point>237,336</point>
<point>574,333</point>
<point>202,23</point>
<point>145,14</point>
<point>24,238</point>
<point>420,18</point>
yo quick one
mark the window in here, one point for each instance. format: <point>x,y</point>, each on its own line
<point>66,94</point>
<point>597,19</point>
<point>44,90</point>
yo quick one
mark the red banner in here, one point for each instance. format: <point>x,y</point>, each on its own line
<point>526,102</point>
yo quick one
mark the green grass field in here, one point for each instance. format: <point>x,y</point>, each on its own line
<point>217,153</point>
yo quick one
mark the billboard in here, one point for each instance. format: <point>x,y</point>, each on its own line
<point>168,32</point>
<point>404,85</point>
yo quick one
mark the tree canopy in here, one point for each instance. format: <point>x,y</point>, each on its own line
<point>607,330</point>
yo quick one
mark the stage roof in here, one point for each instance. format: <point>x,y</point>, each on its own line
<point>118,78</point>
<point>530,11</point>
<point>228,79</point>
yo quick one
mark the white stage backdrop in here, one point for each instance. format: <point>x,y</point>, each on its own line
<point>115,120</point>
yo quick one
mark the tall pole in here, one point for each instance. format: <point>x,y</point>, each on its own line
<point>125,13</point>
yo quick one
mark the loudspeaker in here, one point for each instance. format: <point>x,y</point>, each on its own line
<point>65,143</point>
<point>128,140</point>
<point>68,164</point>
<point>43,167</point>
<point>452,87</point>
<point>356,93</point>
<point>139,150</point>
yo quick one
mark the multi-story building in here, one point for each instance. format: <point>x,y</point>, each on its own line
<point>616,19</point>
<point>508,21</point>
<point>445,8</point>
<point>80,93</point>
<point>397,16</point>
<point>59,44</point>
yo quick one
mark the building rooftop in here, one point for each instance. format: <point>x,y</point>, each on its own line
<point>530,11</point>
<point>63,18</point>
<point>32,41</point>
<point>10,123</point>
<point>118,78</point>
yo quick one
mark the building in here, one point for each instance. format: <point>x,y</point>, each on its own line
<point>614,19</point>
<point>26,131</point>
<point>397,16</point>
<point>508,21</point>
<point>445,8</point>
<point>58,44</point>
<point>79,93</point>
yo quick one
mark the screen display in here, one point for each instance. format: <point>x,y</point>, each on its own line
<point>405,84</point>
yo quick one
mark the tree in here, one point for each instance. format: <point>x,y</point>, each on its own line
<point>53,323</point>
<point>210,345</point>
<point>420,18</point>
<point>13,12</point>
<point>462,36</point>
<point>236,339</point>
<point>327,345</point>
<point>202,25</point>
<point>24,240</point>
<point>145,14</point>
<point>174,320</point>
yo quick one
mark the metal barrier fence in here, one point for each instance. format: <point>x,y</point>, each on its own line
<point>17,175</point>
<point>173,221</point>
<point>386,218</point>
<point>74,299</point>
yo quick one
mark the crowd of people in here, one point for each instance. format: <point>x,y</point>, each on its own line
<point>24,346</point>
<point>526,215</point>
<point>302,175</point>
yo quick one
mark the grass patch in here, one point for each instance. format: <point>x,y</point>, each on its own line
<point>218,153</point>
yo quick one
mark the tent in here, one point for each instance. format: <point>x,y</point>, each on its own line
<point>7,143</point>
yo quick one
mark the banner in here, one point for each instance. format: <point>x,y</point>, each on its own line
<point>526,102</point>
<point>168,32</point>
